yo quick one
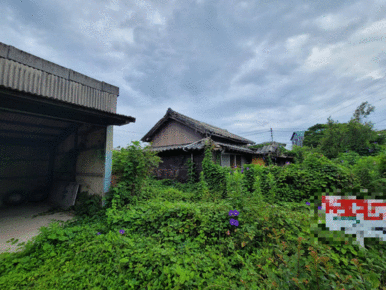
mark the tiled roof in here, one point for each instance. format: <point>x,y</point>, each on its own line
<point>201,127</point>
<point>191,146</point>
<point>270,147</point>
<point>200,145</point>
<point>236,148</point>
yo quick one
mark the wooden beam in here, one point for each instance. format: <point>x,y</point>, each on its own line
<point>28,133</point>
<point>31,125</point>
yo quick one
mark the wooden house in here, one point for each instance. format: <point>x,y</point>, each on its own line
<point>178,138</point>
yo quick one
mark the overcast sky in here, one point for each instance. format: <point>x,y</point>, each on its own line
<point>244,66</point>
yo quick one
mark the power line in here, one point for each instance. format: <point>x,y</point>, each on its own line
<point>255,132</point>
<point>380,121</point>
<point>313,119</point>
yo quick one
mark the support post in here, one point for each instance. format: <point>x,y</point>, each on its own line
<point>108,160</point>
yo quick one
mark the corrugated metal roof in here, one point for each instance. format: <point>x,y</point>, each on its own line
<point>236,148</point>
<point>202,127</point>
<point>24,72</point>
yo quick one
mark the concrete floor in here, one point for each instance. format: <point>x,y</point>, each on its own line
<point>18,222</point>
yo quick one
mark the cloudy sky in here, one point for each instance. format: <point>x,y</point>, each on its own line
<point>244,66</point>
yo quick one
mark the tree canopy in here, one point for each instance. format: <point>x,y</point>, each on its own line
<point>313,135</point>
<point>334,137</point>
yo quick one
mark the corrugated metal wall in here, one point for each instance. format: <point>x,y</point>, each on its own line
<point>27,79</point>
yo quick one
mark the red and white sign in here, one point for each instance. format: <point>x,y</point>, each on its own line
<point>364,218</point>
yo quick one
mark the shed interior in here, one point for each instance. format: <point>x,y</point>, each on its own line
<point>37,150</point>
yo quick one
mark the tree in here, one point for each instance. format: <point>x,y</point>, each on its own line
<point>360,111</point>
<point>354,135</point>
<point>313,135</point>
<point>359,137</point>
<point>334,139</point>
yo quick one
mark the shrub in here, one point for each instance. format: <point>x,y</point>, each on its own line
<point>134,164</point>
<point>214,174</point>
<point>191,171</point>
<point>366,170</point>
<point>87,205</point>
<point>347,159</point>
<point>250,172</point>
<point>202,187</point>
<point>300,153</point>
<point>235,184</point>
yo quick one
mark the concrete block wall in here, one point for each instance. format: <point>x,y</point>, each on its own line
<point>90,167</point>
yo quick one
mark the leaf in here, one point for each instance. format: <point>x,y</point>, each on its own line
<point>46,247</point>
<point>123,260</point>
<point>373,278</point>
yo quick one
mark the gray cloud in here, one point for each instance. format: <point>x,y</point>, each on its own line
<point>242,65</point>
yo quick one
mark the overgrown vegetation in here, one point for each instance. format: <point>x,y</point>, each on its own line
<point>134,165</point>
<point>161,234</point>
<point>215,175</point>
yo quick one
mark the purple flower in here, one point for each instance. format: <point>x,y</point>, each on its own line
<point>342,161</point>
<point>247,168</point>
<point>98,233</point>
<point>375,142</point>
<point>233,213</point>
<point>234,222</point>
<point>242,170</point>
<point>307,203</point>
<point>319,208</point>
<point>121,232</point>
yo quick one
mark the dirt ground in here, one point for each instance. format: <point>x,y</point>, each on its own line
<point>18,222</point>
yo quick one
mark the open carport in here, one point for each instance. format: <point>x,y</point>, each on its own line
<point>56,136</point>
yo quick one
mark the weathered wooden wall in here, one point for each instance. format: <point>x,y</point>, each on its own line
<point>174,165</point>
<point>174,133</point>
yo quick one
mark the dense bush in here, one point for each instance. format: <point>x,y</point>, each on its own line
<point>191,171</point>
<point>134,165</point>
<point>178,237</point>
<point>214,174</point>
<point>87,205</point>
<point>347,159</point>
<point>300,153</point>
<point>370,173</point>
<point>250,173</point>
<point>168,243</point>
<point>296,182</point>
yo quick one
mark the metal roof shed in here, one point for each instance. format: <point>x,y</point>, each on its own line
<point>56,125</point>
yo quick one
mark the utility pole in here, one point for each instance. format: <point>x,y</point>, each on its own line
<point>271,135</point>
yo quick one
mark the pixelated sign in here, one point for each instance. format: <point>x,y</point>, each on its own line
<point>364,218</point>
